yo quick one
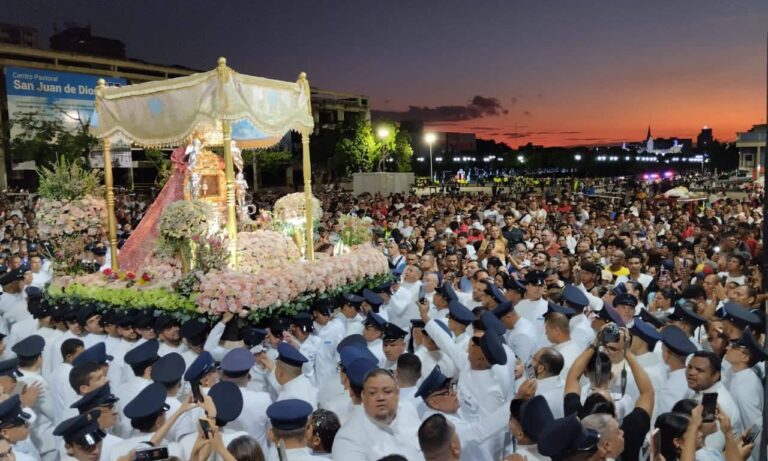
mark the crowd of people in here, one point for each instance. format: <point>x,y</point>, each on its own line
<point>526,325</point>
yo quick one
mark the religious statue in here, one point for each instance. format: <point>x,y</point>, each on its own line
<point>192,152</point>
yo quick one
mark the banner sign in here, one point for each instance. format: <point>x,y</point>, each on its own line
<point>52,95</point>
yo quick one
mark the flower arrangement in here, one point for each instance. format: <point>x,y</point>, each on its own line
<point>354,230</point>
<point>257,295</point>
<point>183,224</point>
<point>69,225</point>
<point>291,209</point>
<point>264,249</point>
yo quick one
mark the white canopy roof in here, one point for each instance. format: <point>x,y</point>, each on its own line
<point>166,112</point>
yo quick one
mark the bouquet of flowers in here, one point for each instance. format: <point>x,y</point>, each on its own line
<point>183,223</point>
<point>265,249</point>
<point>292,208</point>
<point>69,225</point>
<point>354,230</point>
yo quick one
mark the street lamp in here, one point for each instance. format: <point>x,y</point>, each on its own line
<point>521,159</point>
<point>383,133</point>
<point>430,138</point>
<point>577,157</point>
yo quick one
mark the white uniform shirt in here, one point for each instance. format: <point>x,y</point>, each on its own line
<point>363,439</point>
<point>522,338</point>
<point>570,350</point>
<point>253,419</point>
<point>553,391</point>
<point>299,388</point>
<point>42,428</point>
<point>533,311</point>
<point>747,390</point>
<point>728,405</point>
<point>674,390</point>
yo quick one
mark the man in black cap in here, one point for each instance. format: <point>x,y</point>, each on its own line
<point>373,330</point>
<point>83,438</point>
<point>289,420</point>
<point>140,359</point>
<point>527,419</point>
<point>676,347</point>
<point>30,354</point>
<point>103,401</point>
<point>90,321</point>
<point>303,337</point>
<point>228,402</point>
<point>169,334</point>
<point>533,307</point>
<point>235,367</point>
<point>147,416</point>
<point>686,319</point>
<point>168,371</point>
<point>14,427</point>
<point>63,393</point>
<point>288,373</point>
<point>477,437</point>
<point>745,386</point>
<point>644,339</point>
<point>13,303</point>
<point>351,313</point>
<point>128,340</point>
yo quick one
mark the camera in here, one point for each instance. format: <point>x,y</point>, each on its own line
<point>610,334</point>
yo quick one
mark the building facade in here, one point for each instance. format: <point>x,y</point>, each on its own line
<point>752,147</point>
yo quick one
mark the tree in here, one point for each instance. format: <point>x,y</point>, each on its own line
<point>45,139</point>
<point>403,151</point>
<point>355,150</point>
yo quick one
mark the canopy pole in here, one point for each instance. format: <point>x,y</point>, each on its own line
<point>309,240</point>
<point>229,169</point>
<point>110,191</point>
<point>226,128</point>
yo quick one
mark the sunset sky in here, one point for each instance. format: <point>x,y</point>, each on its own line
<point>549,72</point>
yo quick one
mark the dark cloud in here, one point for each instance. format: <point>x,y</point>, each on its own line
<point>515,135</point>
<point>478,107</point>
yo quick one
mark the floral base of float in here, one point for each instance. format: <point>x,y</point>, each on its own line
<point>284,290</point>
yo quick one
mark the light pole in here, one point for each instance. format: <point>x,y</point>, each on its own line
<point>430,139</point>
<point>383,132</point>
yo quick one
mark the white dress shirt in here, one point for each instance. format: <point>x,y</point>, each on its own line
<point>363,439</point>
<point>747,390</point>
<point>299,388</point>
<point>522,338</point>
<point>553,390</point>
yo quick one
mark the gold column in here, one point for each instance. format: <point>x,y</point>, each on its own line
<point>307,167</point>
<point>110,191</point>
<point>229,169</point>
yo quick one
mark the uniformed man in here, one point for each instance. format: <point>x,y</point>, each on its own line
<point>527,420</point>
<point>235,368</point>
<point>378,430</point>
<point>169,335</point>
<point>140,359</point>
<point>61,389</point>
<point>14,427</point>
<point>438,393</point>
<point>289,420</point>
<point>393,344</point>
<point>331,331</point>
<point>147,415</point>
<point>521,335</point>
<point>372,302</point>
<point>129,340</point>
<point>581,330</point>
<point>676,347</point>
<point>459,320</point>
<point>104,401</point>
<point>373,328</point>
<point>302,329</point>
<point>644,339</point>
<point>288,373</point>
<point>90,322</point>
<point>745,386</point>
<point>95,354</point>
<point>533,307</point>
<point>228,401</point>
<point>30,354</point>
<point>351,309</point>
<point>168,371</point>
<point>83,438</point>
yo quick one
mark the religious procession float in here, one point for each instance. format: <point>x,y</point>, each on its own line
<point>197,252</point>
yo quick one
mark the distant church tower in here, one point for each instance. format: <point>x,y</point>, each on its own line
<point>649,141</point>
